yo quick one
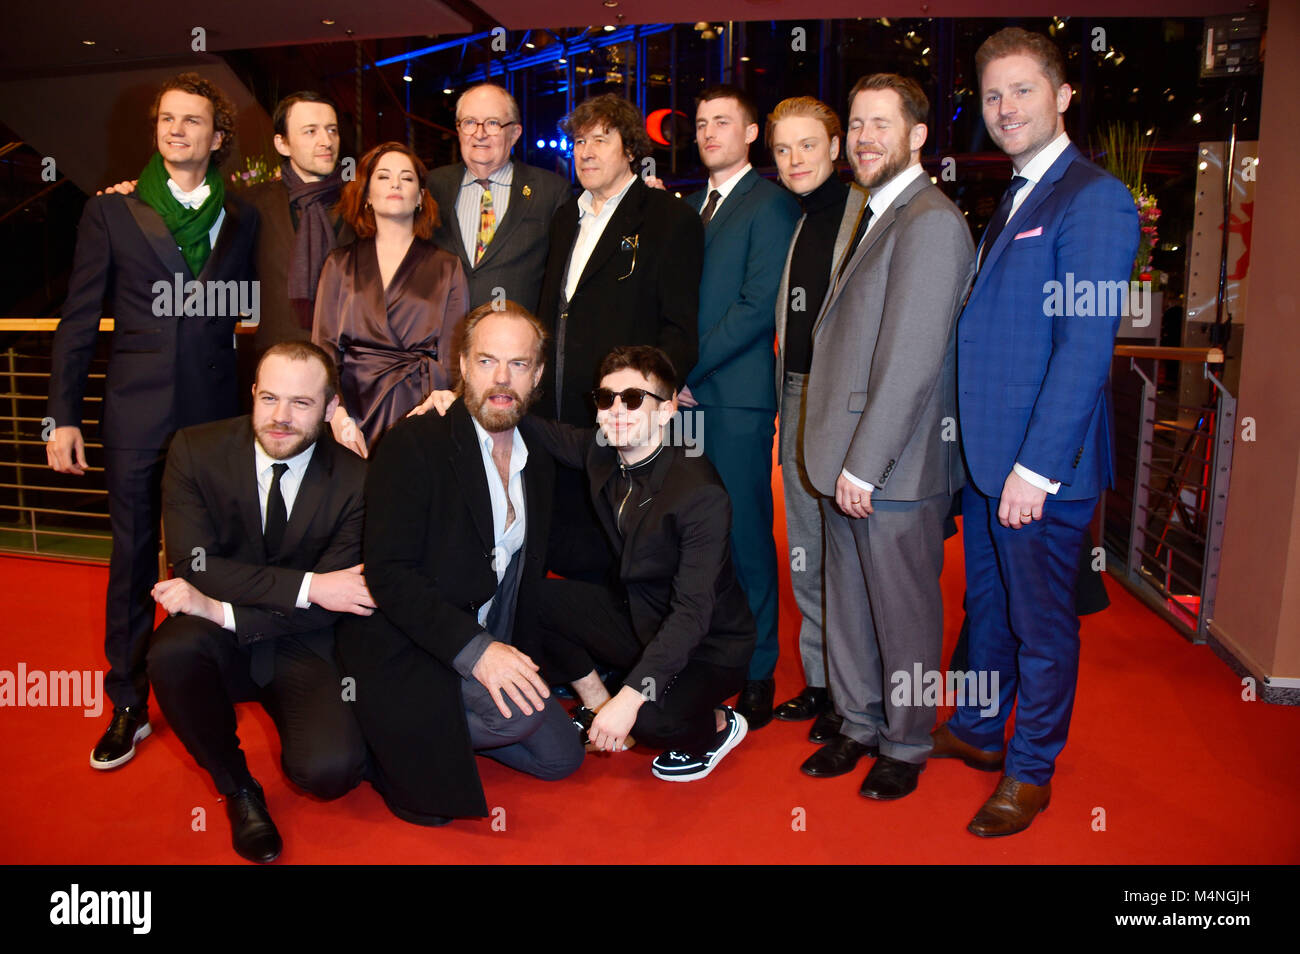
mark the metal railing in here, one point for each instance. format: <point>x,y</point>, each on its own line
<point>1162,524</point>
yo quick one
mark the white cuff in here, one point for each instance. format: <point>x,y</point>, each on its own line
<point>303,602</point>
<point>228,612</point>
<point>866,485</point>
<point>1038,480</point>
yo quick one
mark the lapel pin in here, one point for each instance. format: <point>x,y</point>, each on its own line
<point>527,191</point>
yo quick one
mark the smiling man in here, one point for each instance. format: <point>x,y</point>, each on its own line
<point>300,222</point>
<point>675,625</point>
<point>747,225</point>
<point>164,373</point>
<point>624,269</point>
<point>1035,423</point>
<point>263,518</point>
<point>495,212</point>
<point>881,393</point>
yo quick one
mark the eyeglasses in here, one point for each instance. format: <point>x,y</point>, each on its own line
<point>632,397</point>
<point>490,126</point>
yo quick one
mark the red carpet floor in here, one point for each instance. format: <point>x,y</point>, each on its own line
<point>1164,755</point>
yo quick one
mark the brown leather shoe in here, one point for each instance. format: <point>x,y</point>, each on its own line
<point>948,746</point>
<point>1012,807</point>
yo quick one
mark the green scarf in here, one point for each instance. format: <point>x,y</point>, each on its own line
<point>190,227</point>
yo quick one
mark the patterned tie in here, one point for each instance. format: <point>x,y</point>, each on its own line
<point>1000,216</point>
<point>487,221</point>
<point>712,204</point>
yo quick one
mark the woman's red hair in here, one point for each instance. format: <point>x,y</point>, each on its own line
<point>352,204</point>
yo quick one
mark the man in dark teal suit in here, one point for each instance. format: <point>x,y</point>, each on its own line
<point>748,223</point>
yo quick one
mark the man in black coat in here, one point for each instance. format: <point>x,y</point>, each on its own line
<point>677,623</point>
<point>171,265</point>
<point>457,518</point>
<point>263,520</point>
<point>624,269</point>
<point>495,213</point>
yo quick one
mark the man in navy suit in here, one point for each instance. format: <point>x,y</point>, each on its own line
<point>748,222</point>
<point>171,365</point>
<point>1034,351</point>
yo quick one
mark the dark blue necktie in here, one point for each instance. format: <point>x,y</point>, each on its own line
<point>1000,216</point>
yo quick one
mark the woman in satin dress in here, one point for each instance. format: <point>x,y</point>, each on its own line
<point>388,305</point>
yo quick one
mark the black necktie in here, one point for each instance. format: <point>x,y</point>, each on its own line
<point>277,515</point>
<point>712,204</point>
<point>1000,216</point>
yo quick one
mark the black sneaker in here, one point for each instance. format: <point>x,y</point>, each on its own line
<point>678,766</point>
<point>117,745</point>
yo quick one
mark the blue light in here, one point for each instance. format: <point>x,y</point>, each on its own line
<point>552,144</point>
<point>541,144</point>
<point>564,142</point>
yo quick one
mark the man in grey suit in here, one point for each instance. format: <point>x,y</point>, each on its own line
<point>493,212</point>
<point>880,440</point>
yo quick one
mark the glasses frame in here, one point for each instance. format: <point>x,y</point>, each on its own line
<point>622,396</point>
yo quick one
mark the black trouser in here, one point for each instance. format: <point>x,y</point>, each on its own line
<point>583,624</point>
<point>199,671</point>
<point>133,479</point>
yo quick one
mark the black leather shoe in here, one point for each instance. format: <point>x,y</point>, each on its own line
<point>838,757</point>
<point>117,745</point>
<point>807,705</point>
<point>252,832</point>
<point>756,702</point>
<point>825,727</point>
<point>890,778</point>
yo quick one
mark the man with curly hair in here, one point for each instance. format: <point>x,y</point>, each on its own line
<point>165,263</point>
<point>623,269</point>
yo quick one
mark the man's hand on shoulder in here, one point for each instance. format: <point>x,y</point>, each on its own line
<point>181,596</point>
<point>502,668</point>
<point>343,591</point>
<point>125,187</point>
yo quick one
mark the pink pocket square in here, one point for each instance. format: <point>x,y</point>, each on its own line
<point>1032,233</point>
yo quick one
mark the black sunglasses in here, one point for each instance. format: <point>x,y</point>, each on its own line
<point>632,398</point>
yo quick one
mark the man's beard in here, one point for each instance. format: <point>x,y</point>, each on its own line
<point>893,164</point>
<point>305,439</point>
<point>493,419</point>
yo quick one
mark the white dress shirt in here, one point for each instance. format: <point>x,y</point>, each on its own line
<point>881,199</point>
<point>289,484</point>
<point>591,225</point>
<point>469,203</point>
<point>192,200</point>
<point>507,541</point>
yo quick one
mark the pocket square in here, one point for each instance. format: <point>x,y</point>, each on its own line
<point>1032,233</point>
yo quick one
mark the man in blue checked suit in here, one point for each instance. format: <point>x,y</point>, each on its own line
<point>1034,347</point>
<point>748,222</point>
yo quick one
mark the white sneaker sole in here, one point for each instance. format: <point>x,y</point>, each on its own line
<point>141,733</point>
<point>718,757</point>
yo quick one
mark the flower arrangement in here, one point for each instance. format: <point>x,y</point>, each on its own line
<point>1124,153</point>
<point>256,169</point>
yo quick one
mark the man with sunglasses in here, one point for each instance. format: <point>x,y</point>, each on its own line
<point>676,622</point>
<point>495,213</point>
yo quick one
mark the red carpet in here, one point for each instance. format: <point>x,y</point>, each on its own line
<point>1162,749</point>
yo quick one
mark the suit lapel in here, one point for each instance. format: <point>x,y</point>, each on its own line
<point>626,221</point>
<point>311,492</point>
<point>1042,189</point>
<point>158,236</point>
<point>602,462</point>
<point>243,478</point>
<point>783,293</point>
<point>467,461</point>
<point>225,239</point>
<point>734,201</point>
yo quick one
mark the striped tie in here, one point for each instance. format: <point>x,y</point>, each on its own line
<point>487,222</point>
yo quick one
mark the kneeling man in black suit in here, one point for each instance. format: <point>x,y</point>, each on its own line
<point>263,520</point>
